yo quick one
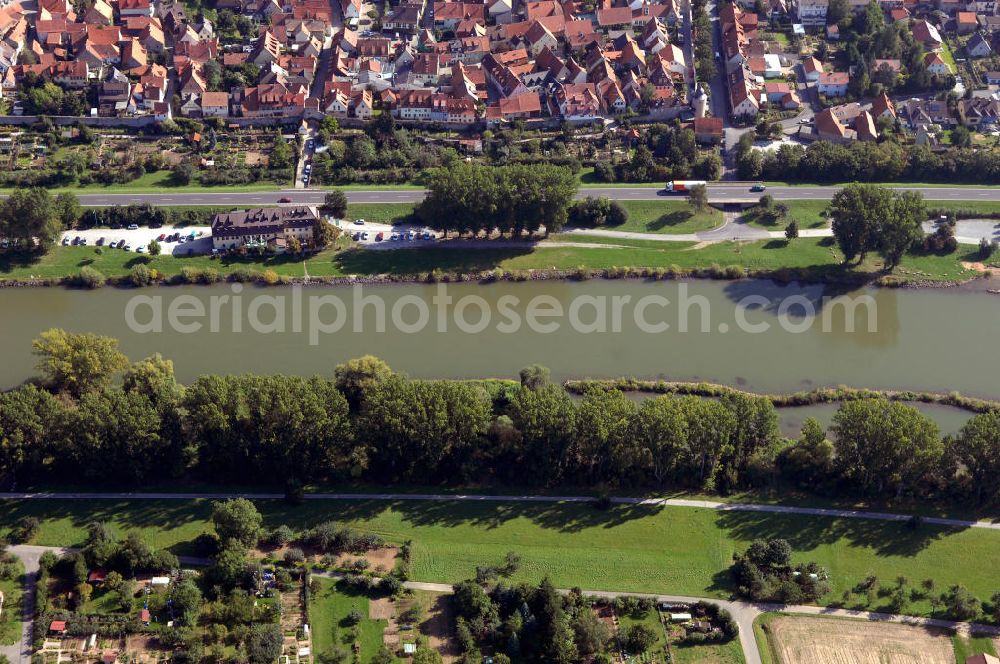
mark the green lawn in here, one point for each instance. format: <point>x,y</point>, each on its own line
<point>817,256</point>
<point>10,616</point>
<point>628,548</point>
<point>727,653</point>
<point>328,614</point>
<point>383,213</point>
<point>966,647</point>
<point>650,619</point>
<point>667,216</point>
<point>808,214</point>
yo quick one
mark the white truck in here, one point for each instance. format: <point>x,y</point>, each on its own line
<point>682,186</point>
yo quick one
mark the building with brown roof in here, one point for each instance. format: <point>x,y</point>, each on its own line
<point>264,227</point>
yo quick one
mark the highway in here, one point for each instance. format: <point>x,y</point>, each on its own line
<point>718,193</point>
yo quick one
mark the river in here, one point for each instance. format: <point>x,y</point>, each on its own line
<point>929,339</point>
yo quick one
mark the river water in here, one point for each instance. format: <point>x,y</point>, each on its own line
<point>929,339</point>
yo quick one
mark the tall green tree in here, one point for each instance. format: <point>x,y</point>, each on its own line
<point>882,445</point>
<point>77,363</point>
<point>237,520</point>
<point>976,449</point>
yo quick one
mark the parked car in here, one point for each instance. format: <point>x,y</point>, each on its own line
<point>359,222</point>
<point>127,247</point>
<point>411,236</point>
<point>100,241</point>
<point>364,236</point>
<point>162,237</point>
<point>428,236</point>
<point>356,237</point>
<point>83,242</point>
<point>76,240</point>
<point>141,249</point>
<point>65,241</point>
<point>379,236</point>
<point>133,227</point>
<point>394,237</point>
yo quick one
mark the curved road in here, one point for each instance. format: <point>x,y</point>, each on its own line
<point>718,193</point>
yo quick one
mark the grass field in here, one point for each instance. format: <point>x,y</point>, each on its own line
<point>10,616</point>
<point>966,647</point>
<point>808,214</point>
<point>328,613</point>
<point>667,216</point>
<point>727,653</point>
<point>627,548</point>
<point>383,213</point>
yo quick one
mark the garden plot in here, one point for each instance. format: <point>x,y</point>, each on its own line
<point>808,640</point>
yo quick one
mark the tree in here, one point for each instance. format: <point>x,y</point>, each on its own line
<point>792,230</point>
<point>264,643</point>
<point>589,632</point>
<point>425,655</point>
<point>660,429</point>
<point>281,154</point>
<point>960,604</point>
<point>902,228</point>
<point>68,209</point>
<point>237,520</point>
<point>961,136</point>
<point>357,377</point>
<point>698,198</point>
<point>857,211</point>
<point>183,173</point>
<point>335,204</point>
<point>186,599</point>
<point>77,363</point>
<point>976,449</point>
<point>154,248</point>
<point>29,216</point>
<point>810,460</point>
<point>534,377</point>
<point>881,444</point>
<point>639,638</point>
<point>869,217</point>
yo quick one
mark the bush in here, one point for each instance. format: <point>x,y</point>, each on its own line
<point>294,556</point>
<point>280,536</point>
<point>140,275</point>
<point>270,277</point>
<point>24,530</point>
<point>88,277</point>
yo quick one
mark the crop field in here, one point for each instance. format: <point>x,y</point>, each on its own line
<point>809,640</point>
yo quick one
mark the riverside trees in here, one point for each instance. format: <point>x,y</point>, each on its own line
<point>511,199</point>
<point>130,423</point>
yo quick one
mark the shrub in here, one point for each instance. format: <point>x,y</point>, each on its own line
<point>294,556</point>
<point>270,277</point>
<point>140,275</point>
<point>24,530</point>
<point>88,277</point>
<point>244,275</point>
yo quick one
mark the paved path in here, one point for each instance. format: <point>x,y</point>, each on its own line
<point>20,653</point>
<point>625,500</point>
<point>717,193</point>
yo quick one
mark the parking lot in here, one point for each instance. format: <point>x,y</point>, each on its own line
<point>386,236</point>
<point>136,238</point>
